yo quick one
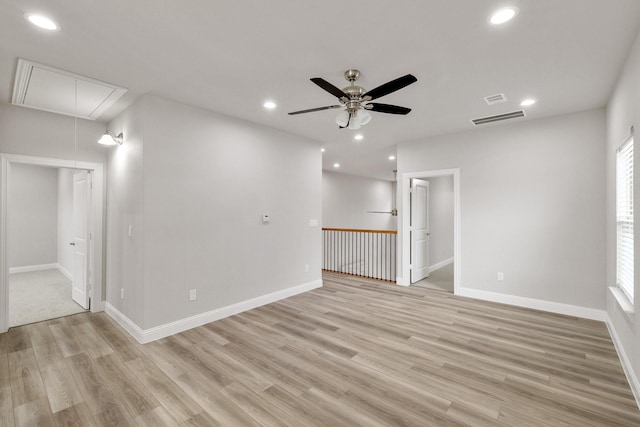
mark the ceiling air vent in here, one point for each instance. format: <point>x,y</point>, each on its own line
<point>499,117</point>
<point>495,99</point>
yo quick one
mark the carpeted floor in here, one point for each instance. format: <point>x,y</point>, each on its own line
<point>440,279</point>
<point>39,295</point>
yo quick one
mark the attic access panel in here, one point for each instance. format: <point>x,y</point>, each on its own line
<point>49,89</point>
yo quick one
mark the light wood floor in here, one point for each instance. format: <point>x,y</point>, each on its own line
<point>348,354</point>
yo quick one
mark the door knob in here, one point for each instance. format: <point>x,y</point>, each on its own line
<point>72,243</point>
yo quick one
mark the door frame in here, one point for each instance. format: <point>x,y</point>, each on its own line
<point>96,230</point>
<point>405,241</point>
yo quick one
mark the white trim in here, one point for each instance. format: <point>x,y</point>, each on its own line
<point>622,299</point>
<point>56,163</point>
<point>440,264</point>
<point>23,76</point>
<point>536,304</point>
<point>97,204</point>
<point>65,272</point>
<point>627,367</point>
<point>127,324</point>
<point>403,254</point>
<point>4,267</point>
<point>30,268</point>
<point>144,336</point>
<point>97,306</point>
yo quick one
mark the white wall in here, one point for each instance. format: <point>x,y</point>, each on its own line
<point>623,111</point>
<point>204,180</point>
<point>65,256</point>
<point>125,196</point>
<point>440,219</point>
<point>42,134</point>
<point>532,205</point>
<point>33,216</point>
<point>347,198</point>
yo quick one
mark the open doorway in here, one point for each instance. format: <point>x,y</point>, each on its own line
<point>47,217</point>
<point>430,242</point>
<point>51,222</point>
<point>431,233</point>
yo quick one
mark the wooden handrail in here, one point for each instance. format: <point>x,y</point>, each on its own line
<point>356,230</point>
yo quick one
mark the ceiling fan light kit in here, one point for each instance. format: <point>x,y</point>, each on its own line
<point>356,101</point>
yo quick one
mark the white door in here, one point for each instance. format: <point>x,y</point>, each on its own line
<point>419,229</point>
<point>81,203</point>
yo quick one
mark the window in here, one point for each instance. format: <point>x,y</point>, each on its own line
<point>624,216</point>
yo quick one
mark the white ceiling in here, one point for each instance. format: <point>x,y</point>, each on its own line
<point>231,56</point>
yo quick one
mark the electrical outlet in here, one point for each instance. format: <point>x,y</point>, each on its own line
<point>306,268</point>
<point>192,295</point>
<point>121,293</point>
<point>500,276</point>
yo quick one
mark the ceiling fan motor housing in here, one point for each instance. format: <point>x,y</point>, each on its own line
<point>355,92</point>
<point>355,102</point>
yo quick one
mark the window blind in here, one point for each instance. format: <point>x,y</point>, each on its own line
<point>624,217</point>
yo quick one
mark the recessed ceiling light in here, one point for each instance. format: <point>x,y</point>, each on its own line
<point>269,105</point>
<point>503,15</point>
<point>392,157</point>
<point>322,150</point>
<point>42,21</point>
<point>336,165</point>
<point>358,137</point>
<point>527,102</point>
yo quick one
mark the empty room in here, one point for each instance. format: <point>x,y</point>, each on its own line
<point>363,213</point>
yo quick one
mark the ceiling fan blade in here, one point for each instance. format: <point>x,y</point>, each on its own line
<point>311,110</point>
<point>391,86</point>
<point>386,108</point>
<point>338,93</point>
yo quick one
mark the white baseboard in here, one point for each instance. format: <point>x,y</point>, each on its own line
<point>30,268</point>
<point>126,323</point>
<point>536,304</point>
<point>144,336</point>
<point>97,307</point>
<point>65,272</point>
<point>440,264</point>
<point>632,378</point>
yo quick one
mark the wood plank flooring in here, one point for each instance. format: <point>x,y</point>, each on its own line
<point>352,353</point>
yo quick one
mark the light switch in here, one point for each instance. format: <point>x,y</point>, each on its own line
<point>313,223</point>
<point>265,218</point>
<point>130,231</point>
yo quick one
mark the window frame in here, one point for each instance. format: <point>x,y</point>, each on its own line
<point>625,218</point>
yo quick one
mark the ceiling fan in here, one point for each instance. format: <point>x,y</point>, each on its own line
<point>356,101</point>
